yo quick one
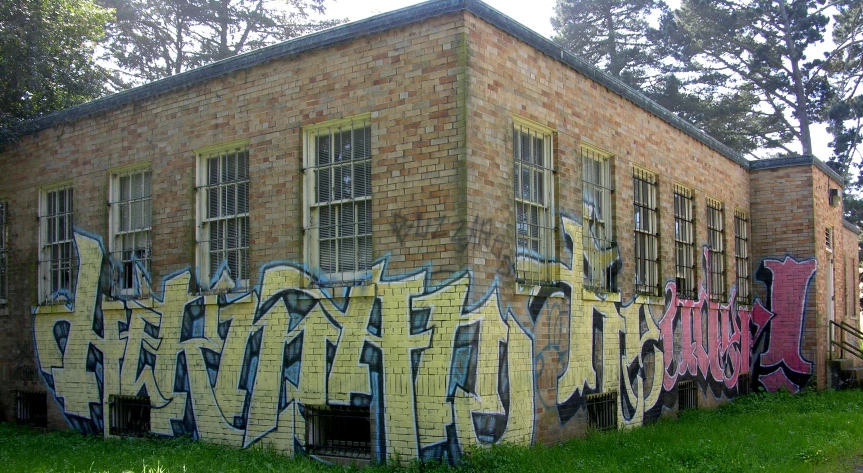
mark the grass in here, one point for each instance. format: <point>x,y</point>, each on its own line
<point>809,432</point>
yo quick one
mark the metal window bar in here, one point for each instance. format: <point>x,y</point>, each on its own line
<point>129,415</point>
<point>744,384</point>
<point>342,208</point>
<point>31,408</point>
<point>132,207</point>
<point>687,395</point>
<point>684,243</point>
<point>741,257</point>
<point>3,256</point>
<point>57,259</point>
<point>534,222</point>
<point>602,411</point>
<point>598,240</point>
<point>828,236</point>
<point>226,214</point>
<point>716,244</point>
<point>646,233</point>
<point>339,431</point>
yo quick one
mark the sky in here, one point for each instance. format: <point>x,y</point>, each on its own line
<point>536,15</point>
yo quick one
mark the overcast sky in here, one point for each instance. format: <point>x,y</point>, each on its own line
<point>535,14</point>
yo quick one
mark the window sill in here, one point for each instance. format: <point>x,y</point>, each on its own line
<point>650,299</point>
<point>598,296</point>
<point>532,289</point>
<point>52,308</point>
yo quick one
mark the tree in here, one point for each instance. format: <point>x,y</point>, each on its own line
<point>845,115</point>
<point>612,34</point>
<point>757,46</point>
<point>618,37</point>
<point>46,59</point>
<point>153,39</point>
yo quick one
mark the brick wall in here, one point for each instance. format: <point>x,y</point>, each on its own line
<point>441,345</point>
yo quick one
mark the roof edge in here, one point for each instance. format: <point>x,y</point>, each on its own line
<point>851,226</point>
<point>797,160</point>
<point>376,24</point>
<point>302,44</point>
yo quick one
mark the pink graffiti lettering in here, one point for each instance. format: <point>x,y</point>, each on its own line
<point>787,286</point>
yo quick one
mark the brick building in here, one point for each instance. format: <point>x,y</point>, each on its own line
<point>409,234</point>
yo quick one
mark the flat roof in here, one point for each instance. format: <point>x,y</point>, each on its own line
<point>386,21</point>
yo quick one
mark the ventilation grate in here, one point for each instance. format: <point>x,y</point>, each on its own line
<point>31,408</point>
<point>687,395</point>
<point>602,411</point>
<point>130,415</point>
<point>339,431</point>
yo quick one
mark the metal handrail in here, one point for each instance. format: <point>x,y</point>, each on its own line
<point>851,329</point>
<point>844,345</point>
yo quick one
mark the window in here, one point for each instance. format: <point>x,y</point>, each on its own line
<point>716,245</point>
<point>3,256</point>
<point>31,408</point>
<point>130,227</point>
<point>646,233</point>
<point>338,200</point>
<point>534,196</point>
<point>687,395</point>
<point>599,245</point>
<point>741,257</point>
<point>684,243</point>
<point>223,238</point>
<point>129,415</point>
<point>602,411</point>
<point>57,255</point>
<point>339,431</point>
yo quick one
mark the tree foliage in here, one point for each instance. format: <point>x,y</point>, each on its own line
<point>845,115</point>
<point>757,47</point>
<point>153,39</point>
<point>46,58</point>
<point>612,34</point>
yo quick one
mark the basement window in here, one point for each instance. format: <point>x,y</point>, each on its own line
<point>602,411</point>
<point>31,408</point>
<point>687,395</point>
<point>744,384</point>
<point>339,431</point>
<point>130,415</point>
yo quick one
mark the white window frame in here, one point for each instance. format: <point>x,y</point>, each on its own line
<point>535,246</point>
<point>362,233</point>
<point>143,232</point>
<point>685,242</point>
<point>204,222</point>
<point>716,241</point>
<point>61,221</point>
<point>646,232</point>
<point>742,256</point>
<point>599,185</point>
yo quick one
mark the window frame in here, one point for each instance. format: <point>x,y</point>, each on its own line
<point>718,287</point>
<point>604,283</point>
<point>4,252</point>
<point>686,270</point>
<point>533,260</point>
<point>207,279</point>
<point>363,229</point>
<point>742,257</point>
<point>48,292</point>
<point>647,255</point>
<point>115,203</point>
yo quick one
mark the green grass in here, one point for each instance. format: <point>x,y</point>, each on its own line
<point>809,432</point>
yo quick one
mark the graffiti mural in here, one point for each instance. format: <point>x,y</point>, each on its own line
<point>437,371</point>
<point>438,375</point>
